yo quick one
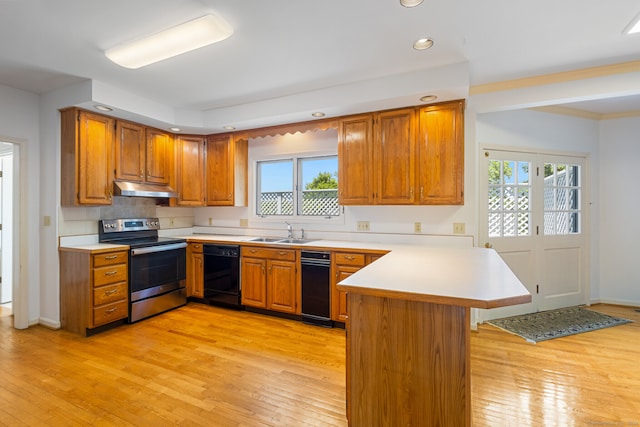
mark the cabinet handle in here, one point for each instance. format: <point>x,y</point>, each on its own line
<point>141,173</point>
<point>411,193</point>
<point>200,260</point>
<point>110,257</point>
<point>110,292</point>
<point>349,257</point>
<point>253,251</point>
<point>110,195</point>
<point>282,253</point>
<point>421,192</point>
<point>196,246</point>
<point>110,273</point>
<point>111,310</point>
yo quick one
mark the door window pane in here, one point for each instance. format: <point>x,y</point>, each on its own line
<point>509,198</point>
<point>561,199</point>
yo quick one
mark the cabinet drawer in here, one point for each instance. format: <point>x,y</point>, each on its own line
<point>109,293</point>
<point>110,312</point>
<point>349,259</point>
<point>110,258</point>
<point>196,247</point>
<point>109,274</point>
<point>271,253</point>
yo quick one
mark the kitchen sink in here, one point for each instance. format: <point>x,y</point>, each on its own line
<point>266,239</point>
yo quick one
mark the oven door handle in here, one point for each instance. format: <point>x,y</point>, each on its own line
<point>158,248</point>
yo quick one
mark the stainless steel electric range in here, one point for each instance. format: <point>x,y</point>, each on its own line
<point>157,265</point>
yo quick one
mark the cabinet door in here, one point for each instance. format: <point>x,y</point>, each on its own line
<point>220,170</point>
<point>394,157</point>
<point>441,154</point>
<point>190,170</point>
<point>159,156</point>
<point>339,308</point>
<point>95,159</point>
<point>355,157</point>
<point>195,270</point>
<point>281,286</point>
<point>254,282</point>
<point>130,148</point>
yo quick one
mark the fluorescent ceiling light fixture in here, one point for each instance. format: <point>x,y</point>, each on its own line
<point>171,42</point>
<point>175,129</point>
<point>423,44</point>
<point>318,114</point>
<point>410,3</point>
<point>229,127</point>
<point>634,26</point>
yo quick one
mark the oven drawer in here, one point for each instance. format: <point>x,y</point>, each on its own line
<point>110,312</point>
<point>110,293</point>
<point>110,258</point>
<point>271,253</point>
<point>109,274</point>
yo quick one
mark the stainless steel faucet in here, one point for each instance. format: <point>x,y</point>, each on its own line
<point>289,230</point>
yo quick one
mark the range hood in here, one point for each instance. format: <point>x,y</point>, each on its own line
<point>141,189</point>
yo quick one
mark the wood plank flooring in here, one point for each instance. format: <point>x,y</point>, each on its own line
<point>202,365</point>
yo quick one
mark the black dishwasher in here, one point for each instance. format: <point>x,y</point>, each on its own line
<point>316,287</point>
<point>222,275</point>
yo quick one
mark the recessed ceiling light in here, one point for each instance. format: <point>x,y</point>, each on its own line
<point>423,44</point>
<point>175,129</point>
<point>171,42</point>
<point>428,98</point>
<point>318,114</point>
<point>410,3</point>
<point>229,127</point>
<point>103,108</point>
<point>634,26</point>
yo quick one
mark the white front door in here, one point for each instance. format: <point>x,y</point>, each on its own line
<point>533,214</point>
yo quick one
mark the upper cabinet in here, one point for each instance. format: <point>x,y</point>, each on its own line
<point>190,170</point>
<point>226,170</point>
<point>404,156</point>
<point>86,158</point>
<point>143,154</point>
<point>441,154</point>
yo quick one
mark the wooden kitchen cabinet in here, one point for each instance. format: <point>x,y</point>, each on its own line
<point>94,289</point>
<point>226,170</point>
<point>343,265</point>
<point>270,279</point>
<point>404,156</point>
<point>143,154</point>
<point>393,157</point>
<point>195,270</point>
<point>87,157</point>
<point>355,156</point>
<point>190,170</point>
<point>441,154</point>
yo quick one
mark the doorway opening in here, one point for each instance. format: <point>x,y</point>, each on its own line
<point>6,228</point>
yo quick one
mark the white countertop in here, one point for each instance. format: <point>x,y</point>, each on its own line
<point>473,277</point>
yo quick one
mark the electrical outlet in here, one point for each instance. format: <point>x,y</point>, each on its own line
<point>244,222</point>
<point>171,221</point>
<point>47,221</point>
<point>210,221</point>
<point>417,227</point>
<point>363,225</point>
<point>458,228</point>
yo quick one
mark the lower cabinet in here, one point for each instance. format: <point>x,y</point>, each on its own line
<point>195,270</point>
<point>343,265</point>
<point>94,289</point>
<point>270,279</point>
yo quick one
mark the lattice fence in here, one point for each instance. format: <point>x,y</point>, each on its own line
<point>314,203</point>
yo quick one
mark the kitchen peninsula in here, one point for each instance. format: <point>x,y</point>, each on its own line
<point>408,333</point>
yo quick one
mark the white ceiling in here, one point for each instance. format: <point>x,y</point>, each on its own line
<point>286,48</point>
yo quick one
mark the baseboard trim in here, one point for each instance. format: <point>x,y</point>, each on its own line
<point>625,303</point>
<point>47,323</point>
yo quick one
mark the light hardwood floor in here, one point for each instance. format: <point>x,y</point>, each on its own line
<point>202,365</point>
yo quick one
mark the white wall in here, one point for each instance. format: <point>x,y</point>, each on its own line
<point>619,207</point>
<point>19,124</point>
<point>528,129</point>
